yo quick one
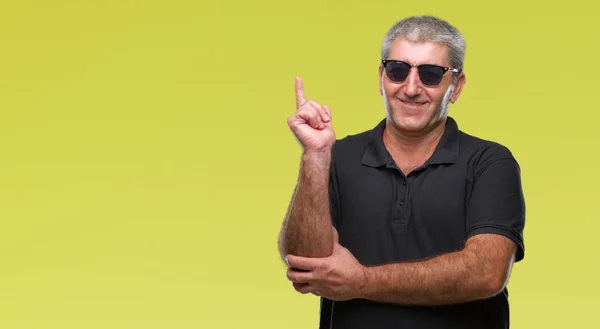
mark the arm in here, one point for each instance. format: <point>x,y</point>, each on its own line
<point>495,220</point>
<point>494,223</point>
<point>307,229</point>
<point>479,271</point>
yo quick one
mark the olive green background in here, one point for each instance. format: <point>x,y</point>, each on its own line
<point>146,163</point>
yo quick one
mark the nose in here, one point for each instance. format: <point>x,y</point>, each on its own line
<point>413,83</point>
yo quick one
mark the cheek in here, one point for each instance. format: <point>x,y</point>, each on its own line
<point>390,90</point>
<point>436,96</point>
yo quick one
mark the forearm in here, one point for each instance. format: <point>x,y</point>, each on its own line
<point>451,278</point>
<point>307,229</point>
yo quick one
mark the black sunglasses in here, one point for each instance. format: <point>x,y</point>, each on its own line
<point>430,75</point>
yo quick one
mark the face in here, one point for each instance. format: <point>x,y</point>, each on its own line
<point>412,107</point>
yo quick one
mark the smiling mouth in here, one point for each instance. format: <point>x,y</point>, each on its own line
<point>413,104</point>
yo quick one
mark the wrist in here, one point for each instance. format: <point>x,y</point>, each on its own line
<point>317,156</point>
<point>366,282</point>
<point>324,152</point>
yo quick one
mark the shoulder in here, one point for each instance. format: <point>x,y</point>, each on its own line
<point>480,153</point>
<point>483,148</point>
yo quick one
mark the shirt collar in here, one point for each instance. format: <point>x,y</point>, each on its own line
<point>447,150</point>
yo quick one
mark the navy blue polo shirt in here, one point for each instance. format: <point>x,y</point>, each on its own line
<point>467,187</point>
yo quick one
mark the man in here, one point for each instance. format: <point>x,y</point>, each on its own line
<point>414,223</point>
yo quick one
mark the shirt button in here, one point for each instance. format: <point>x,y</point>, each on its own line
<point>404,183</point>
<point>402,203</point>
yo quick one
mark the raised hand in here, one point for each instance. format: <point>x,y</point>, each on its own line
<point>311,123</point>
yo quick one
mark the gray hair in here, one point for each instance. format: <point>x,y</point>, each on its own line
<point>428,29</point>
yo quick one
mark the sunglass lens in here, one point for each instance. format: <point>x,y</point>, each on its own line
<point>431,75</point>
<point>397,71</point>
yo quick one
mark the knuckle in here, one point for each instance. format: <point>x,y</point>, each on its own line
<point>309,114</point>
<point>308,107</point>
<point>315,105</point>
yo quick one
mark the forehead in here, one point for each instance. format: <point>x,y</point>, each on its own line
<point>419,52</point>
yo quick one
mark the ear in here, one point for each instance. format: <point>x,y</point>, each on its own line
<point>380,78</point>
<point>460,83</point>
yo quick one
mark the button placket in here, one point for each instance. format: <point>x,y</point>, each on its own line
<point>401,199</point>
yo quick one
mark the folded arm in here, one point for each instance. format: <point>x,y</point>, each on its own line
<point>495,220</point>
<point>479,271</point>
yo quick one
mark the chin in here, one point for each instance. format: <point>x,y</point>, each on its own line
<point>415,123</point>
<point>411,126</point>
<point>409,123</point>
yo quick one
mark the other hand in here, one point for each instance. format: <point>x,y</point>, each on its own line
<point>337,277</point>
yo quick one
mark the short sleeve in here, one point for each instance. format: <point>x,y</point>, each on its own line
<point>497,203</point>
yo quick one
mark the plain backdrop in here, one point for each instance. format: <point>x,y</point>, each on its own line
<point>146,163</point>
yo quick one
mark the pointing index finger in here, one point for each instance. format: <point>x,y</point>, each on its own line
<point>299,93</point>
